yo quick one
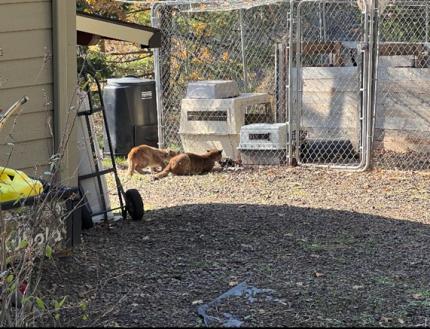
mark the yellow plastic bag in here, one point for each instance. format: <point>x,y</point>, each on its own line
<point>15,185</point>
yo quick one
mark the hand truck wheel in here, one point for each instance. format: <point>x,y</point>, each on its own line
<point>134,204</point>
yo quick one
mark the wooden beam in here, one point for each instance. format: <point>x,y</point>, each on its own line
<point>65,84</point>
<point>144,36</point>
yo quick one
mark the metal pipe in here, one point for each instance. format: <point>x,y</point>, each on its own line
<point>299,81</point>
<point>427,23</point>
<point>14,108</point>
<point>242,45</point>
<point>157,75</point>
<point>277,84</point>
<point>290,103</point>
<point>324,20</point>
<point>364,111</point>
<point>321,7</point>
<point>376,37</point>
<point>320,21</point>
<point>371,82</point>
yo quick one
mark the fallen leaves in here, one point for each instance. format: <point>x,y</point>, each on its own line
<point>418,296</point>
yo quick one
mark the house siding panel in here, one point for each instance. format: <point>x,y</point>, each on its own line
<point>25,44</point>
<point>25,16</point>
<point>26,68</point>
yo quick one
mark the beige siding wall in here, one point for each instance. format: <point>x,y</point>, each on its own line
<point>26,68</point>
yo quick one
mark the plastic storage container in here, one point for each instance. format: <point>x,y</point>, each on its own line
<point>131,113</point>
<point>212,89</point>
<point>264,136</point>
<point>216,123</point>
<point>263,144</point>
<point>15,185</point>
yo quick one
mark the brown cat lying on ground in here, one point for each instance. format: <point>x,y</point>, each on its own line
<point>143,156</point>
<point>191,164</point>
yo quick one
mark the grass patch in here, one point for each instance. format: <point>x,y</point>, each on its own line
<point>420,298</point>
<point>314,247</point>
<point>120,161</point>
<point>364,319</point>
<point>384,280</point>
<point>338,243</point>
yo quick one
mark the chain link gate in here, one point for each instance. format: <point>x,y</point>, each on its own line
<point>330,96</point>
<point>401,138</point>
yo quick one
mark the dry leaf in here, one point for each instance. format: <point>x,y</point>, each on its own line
<point>318,274</point>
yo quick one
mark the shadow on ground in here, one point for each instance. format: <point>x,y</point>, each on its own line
<point>326,267</point>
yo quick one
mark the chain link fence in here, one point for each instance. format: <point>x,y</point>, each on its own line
<point>402,98</point>
<point>223,41</point>
<point>331,83</point>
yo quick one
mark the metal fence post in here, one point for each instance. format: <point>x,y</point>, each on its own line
<point>157,74</point>
<point>242,47</point>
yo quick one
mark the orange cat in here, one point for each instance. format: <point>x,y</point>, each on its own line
<point>143,156</point>
<point>191,164</point>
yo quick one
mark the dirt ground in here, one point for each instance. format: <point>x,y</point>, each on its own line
<point>335,248</point>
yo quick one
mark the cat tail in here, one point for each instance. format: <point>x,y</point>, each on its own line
<point>130,163</point>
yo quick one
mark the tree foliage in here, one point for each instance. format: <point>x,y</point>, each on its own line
<point>114,58</point>
<point>105,8</point>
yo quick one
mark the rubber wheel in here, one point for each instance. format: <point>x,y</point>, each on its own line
<point>134,204</point>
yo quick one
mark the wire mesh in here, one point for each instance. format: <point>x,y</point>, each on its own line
<point>330,86</point>
<point>402,112</point>
<point>227,40</point>
<point>347,83</point>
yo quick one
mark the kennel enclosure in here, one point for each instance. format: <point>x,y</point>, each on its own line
<point>349,78</point>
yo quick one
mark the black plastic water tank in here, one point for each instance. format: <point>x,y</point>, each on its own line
<point>131,113</point>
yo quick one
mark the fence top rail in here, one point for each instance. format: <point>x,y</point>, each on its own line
<point>217,5</point>
<point>229,5</point>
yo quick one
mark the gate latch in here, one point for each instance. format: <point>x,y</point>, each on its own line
<point>363,46</point>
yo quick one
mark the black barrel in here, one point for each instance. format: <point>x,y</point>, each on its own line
<point>131,113</point>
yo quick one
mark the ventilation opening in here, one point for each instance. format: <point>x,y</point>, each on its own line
<point>260,137</point>
<point>258,113</point>
<point>207,116</point>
